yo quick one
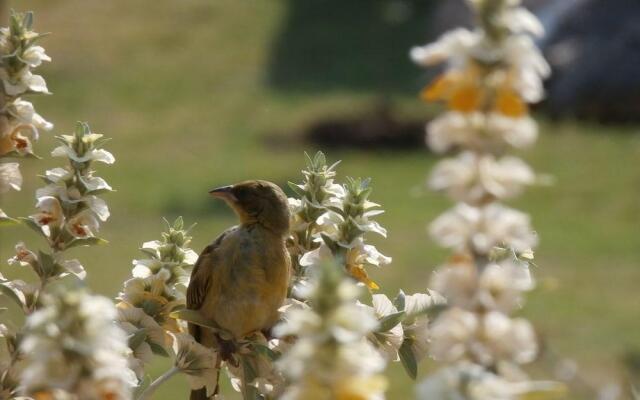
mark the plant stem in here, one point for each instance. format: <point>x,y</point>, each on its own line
<point>146,394</point>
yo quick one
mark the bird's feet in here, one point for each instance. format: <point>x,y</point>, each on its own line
<point>227,348</point>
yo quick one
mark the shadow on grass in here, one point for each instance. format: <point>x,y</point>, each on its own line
<point>327,45</point>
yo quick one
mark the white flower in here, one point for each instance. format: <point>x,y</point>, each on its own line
<point>50,214</point>
<point>480,229</point>
<point>33,56</point>
<point>73,267</point>
<point>133,320</point>
<point>26,293</point>
<point>298,322</point>
<point>18,139</point>
<point>498,287</point>
<point>94,183</point>
<point>350,322</point>
<point>24,257</point>
<point>56,175</point>
<point>83,225</point>
<point>331,357</point>
<point>472,178</point>
<point>451,334</point>
<point>519,19</point>
<point>484,339</point>
<point>528,67</point>
<point>477,130</point>
<point>453,46</point>
<point>25,113</point>
<point>72,344</point>
<point>99,155</point>
<point>517,132</point>
<point>388,342</point>
<point>10,177</point>
<point>196,361</point>
<point>98,206</point>
<point>23,82</point>
<point>467,381</point>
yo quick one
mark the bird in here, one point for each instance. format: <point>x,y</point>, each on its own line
<point>241,279</point>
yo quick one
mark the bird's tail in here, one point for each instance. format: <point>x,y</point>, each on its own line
<point>200,394</point>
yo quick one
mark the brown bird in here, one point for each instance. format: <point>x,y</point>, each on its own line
<point>241,279</point>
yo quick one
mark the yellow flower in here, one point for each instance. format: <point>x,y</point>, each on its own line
<point>361,388</point>
<point>467,91</point>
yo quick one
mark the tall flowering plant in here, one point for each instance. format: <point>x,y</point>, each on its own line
<point>19,122</point>
<point>145,306</point>
<point>492,73</point>
<point>69,347</point>
<point>330,226</point>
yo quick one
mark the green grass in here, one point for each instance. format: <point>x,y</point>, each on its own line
<point>181,87</point>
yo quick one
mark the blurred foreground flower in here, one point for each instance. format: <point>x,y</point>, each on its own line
<point>492,73</point>
<point>331,358</point>
<point>74,350</point>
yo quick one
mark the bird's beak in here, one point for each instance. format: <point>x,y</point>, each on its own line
<point>224,193</point>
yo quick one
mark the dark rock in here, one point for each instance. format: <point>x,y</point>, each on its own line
<point>377,128</point>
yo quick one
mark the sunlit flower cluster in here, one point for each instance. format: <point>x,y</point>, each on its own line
<point>74,350</point>
<point>69,209</point>
<point>335,234</point>
<point>331,358</point>
<point>317,192</point>
<point>341,233</point>
<point>492,73</point>
<point>19,122</point>
<point>156,289</point>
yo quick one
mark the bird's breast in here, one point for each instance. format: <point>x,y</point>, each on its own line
<point>249,282</point>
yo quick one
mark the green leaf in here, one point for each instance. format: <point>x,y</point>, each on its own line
<point>390,321</point>
<point>308,160</point>
<point>178,224</point>
<point>331,244</point>
<point>194,317</point>
<point>334,165</point>
<point>249,392</point>
<point>320,159</point>
<point>400,300</point>
<point>265,351</point>
<point>8,221</point>
<point>27,21</point>
<point>90,241</point>
<point>408,359</point>
<point>158,350</point>
<point>47,264</point>
<point>33,225</point>
<point>297,189</point>
<point>11,294</point>
<point>137,338</point>
<point>336,210</point>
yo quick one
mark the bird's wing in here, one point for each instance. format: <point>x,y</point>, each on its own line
<point>201,274</point>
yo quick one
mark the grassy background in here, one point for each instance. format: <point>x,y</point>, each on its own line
<point>188,90</point>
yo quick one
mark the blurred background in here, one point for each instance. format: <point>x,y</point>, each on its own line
<point>200,93</point>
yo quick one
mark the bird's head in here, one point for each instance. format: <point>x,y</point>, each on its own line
<point>259,202</point>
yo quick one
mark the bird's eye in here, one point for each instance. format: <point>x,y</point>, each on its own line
<point>240,193</point>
